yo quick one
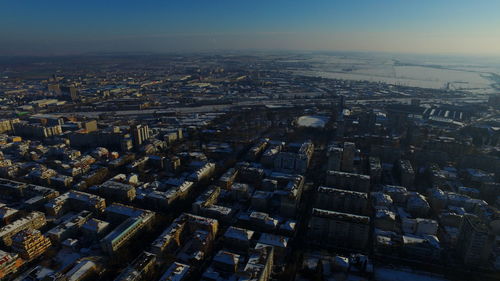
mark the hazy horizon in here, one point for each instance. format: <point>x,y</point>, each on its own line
<point>442,27</point>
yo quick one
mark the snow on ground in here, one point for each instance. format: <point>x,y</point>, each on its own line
<point>470,75</point>
<point>312,121</point>
<point>404,76</point>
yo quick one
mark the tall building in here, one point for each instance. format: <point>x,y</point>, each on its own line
<point>69,227</point>
<point>71,91</point>
<point>134,221</point>
<point>30,243</point>
<point>229,266</point>
<point>341,103</point>
<point>335,229</point>
<point>375,168</point>
<point>9,263</point>
<point>83,270</point>
<point>141,268</point>
<point>334,158</point>
<point>90,126</point>
<point>196,231</point>
<point>139,133</point>
<point>475,241</point>
<point>348,181</point>
<point>340,200</point>
<point>295,161</point>
<point>34,220</point>
<point>260,263</point>
<point>406,173</point>
<point>54,88</point>
<point>7,215</point>
<point>117,190</point>
<point>348,154</point>
<point>7,125</point>
<point>36,130</point>
<point>75,200</point>
<point>124,233</point>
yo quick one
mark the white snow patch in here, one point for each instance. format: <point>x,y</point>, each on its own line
<point>312,121</point>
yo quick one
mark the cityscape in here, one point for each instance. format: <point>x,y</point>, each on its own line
<point>249,165</point>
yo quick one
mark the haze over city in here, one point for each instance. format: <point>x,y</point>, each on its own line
<point>71,27</point>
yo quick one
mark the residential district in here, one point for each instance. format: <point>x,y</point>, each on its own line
<point>235,168</point>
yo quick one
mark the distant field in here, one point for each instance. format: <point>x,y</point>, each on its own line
<point>475,78</point>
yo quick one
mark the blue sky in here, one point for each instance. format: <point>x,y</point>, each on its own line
<point>408,26</point>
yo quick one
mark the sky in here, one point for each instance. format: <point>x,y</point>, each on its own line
<point>61,27</point>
